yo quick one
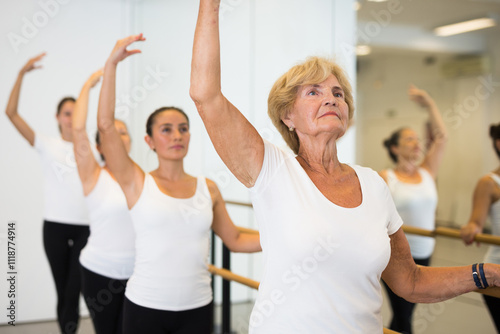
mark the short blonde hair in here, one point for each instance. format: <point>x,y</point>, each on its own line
<point>282,96</point>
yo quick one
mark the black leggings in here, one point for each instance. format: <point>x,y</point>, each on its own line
<point>494,308</point>
<point>104,298</point>
<point>402,310</point>
<point>63,243</point>
<point>142,320</point>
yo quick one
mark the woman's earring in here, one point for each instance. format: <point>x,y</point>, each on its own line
<point>290,128</point>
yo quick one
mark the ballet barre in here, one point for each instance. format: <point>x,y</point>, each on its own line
<point>439,231</point>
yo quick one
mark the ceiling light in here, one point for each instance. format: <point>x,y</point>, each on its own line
<point>465,26</point>
<point>363,50</point>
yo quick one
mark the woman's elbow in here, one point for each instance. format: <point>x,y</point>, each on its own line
<point>104,125</point>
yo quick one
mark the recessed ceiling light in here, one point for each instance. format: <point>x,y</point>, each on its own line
<point>363,50</point>
<point>466,26</point>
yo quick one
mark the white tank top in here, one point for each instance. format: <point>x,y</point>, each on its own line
<point>110,247</point>
<point>63,194</point>
<point>493,255</point>
<point>416,204</point>
<point>172,248</point>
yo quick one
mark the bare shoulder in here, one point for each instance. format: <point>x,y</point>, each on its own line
<point>213,189</point>
<point>486,182</point>
<point>486,185</point>
<point>383,174</point>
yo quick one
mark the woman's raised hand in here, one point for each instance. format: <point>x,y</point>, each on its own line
<point>32,63</point>
<point>120,51</point>
<point>419,96</point>
<point>94,78</point>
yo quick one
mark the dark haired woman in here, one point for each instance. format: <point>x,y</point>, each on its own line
<point>172,213</point>
<point>413,188</point>
<point>486,201</point>
<point>65,229</point>
<point>107,261</point>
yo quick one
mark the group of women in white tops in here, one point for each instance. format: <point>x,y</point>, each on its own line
<point>329,231</point>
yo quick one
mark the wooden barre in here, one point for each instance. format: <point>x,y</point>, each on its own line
<point>441,231</point>
<point>388,331</point>
<point>451,233</point>
<point>230,276</point>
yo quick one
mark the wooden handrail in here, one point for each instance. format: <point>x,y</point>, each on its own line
<point>441,231</point>
<point>230,276</point>
<point>388,331</point>
<point>239,203</point>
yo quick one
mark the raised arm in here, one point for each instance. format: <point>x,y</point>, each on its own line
<point>439,134</point>
<point>224,227</point>
<point>88,168</point>
<point>419,284</point>
<point>127,173</point>
<point>237,142</point>
<point>481,202</point>
<point>11,110</point>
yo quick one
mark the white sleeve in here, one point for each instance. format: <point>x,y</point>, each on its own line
<point>394,220</point>
<point>273,159</point>
<point>40,142</point>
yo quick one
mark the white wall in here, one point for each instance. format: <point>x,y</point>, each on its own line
<point>260,40</point>
<point>77,38</point>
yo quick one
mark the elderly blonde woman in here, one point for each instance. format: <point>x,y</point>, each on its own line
<point>329,231</point>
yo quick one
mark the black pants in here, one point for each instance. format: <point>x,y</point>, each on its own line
<point>142,320</point>
<point>494,308</point>
<point>104,298</point>
<point>63,243</point>
<point>402,310</point>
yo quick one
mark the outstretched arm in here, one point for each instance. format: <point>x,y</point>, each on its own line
<point>88,168</point>
<point>237,142</point>
<point>419,284</point>
<point>439,133</point>
<point>11,110</point>
<point>224,227</point>
<point>481,202</point>
<point>127,173</point>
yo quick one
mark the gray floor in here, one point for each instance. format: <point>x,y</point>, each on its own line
<point>464,314</point>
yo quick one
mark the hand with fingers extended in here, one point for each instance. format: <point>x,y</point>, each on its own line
<point>32,63</point>
<point>120,51</point>
<point>420,96</point>
<point>94,78</point>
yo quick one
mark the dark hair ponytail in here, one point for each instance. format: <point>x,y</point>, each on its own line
<point>495,135</point>
<point>393,140</point>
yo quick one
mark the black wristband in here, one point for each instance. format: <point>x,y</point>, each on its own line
<point>483,277</point>
<point>475,275</point>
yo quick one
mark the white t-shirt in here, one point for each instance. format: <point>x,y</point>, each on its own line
<point>110,248</point>
<point>172,248</point>
<point>493,255</point>
<point>322,262</point>
<point>416,204</point>
<point>63,192</point>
